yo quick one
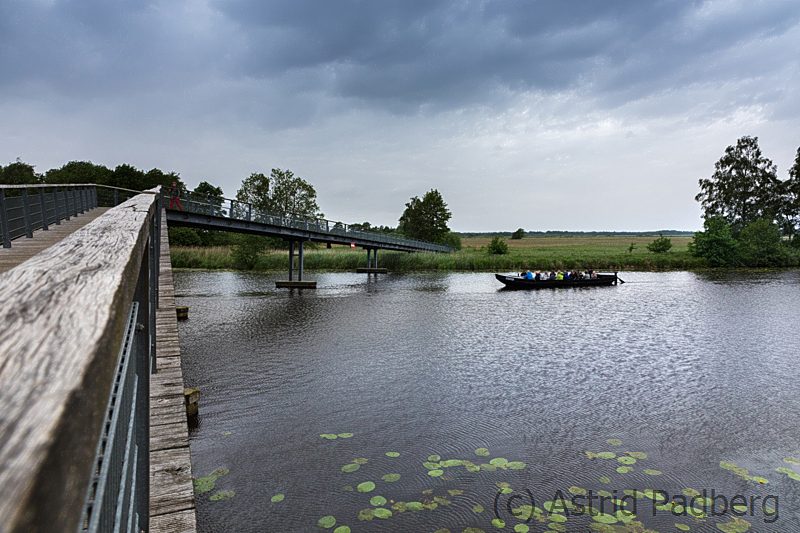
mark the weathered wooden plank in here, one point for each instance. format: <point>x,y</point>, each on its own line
<point>180,522</point>
<point>63,314</point>
<point>165,436</point>
<point>171,487</point>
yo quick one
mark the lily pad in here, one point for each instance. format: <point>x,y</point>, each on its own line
<point>792,461</point>
<point>605,455</point>
<point>329,436</point>
<point>455,492</point>
<point>578,491</point>
<point>652,472</point>
<point>482,452</point>
<point>350,467</point>
<point>377,501</point>
<point>390,478</point>
<point>604,518</point>
<point>626,460</point>
<point>366,486</point>
<point>683,527</point>
<point>222,495</point>
<point>366,515</point>
<point>327,522</point>
<point>637,455</point>
<point>277,498</point>
<point>435,473</point>
<point>342,529</point>
<point>206,483</point>
<point>477,508</point>
<point>499,461</point>
<point>434,458</point>
<point>736,525</point>
<point>624,469</point>
<point>515,465</point>
<point>392,454</point>
<point>522,528</point>
<point>382,513</point>
<point>430,465</point>
<point>344,435</point>
<point>614,442</point>
<point>498,523</point>
<point>605,480</point>
<point>360,460</point>
<point>414,506</point>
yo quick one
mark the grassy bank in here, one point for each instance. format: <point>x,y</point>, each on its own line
<point>535,253</point>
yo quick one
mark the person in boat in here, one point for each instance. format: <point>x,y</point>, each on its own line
<point>559,276</point>
<point>537,276</point>
<point>529,275</point>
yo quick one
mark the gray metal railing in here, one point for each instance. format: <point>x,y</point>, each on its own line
<point>30,207</point>
<point>193,202</point>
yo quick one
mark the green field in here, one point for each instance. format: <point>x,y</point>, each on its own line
<point>534,253</point>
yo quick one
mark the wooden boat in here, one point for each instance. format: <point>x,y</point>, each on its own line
<point>518,282</point>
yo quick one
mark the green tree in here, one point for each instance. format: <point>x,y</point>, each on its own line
<point>426,218</point>
<point>661,245</point>
<point>519,234</point>
<point>281,192</point>
<point>18,173</point>
<point>497,246</point>
<point>80,172</point>
<point>743,188</point>
<point>246,250</point>
<point>791,211</point>
<point>760,244</point>
<point>716,243</point>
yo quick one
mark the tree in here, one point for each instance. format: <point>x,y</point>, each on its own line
<point>519,234</point>
<point>743,188</point>
<point>281,192</point>
<point>19,173</point>
<point>791,211</point>
<point>426,219</point>
<point>760,244</point>
<point>716,243</point>
<point>80,172</point>
<point>661,245</point>
<point>497,246</point>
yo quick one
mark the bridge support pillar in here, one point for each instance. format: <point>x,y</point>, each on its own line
<point>300,283</point>
<point>372,263</point>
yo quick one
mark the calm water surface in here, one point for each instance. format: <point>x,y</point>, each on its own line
<point>690,369</point>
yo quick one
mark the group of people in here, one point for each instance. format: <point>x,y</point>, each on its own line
<point>557,275</point>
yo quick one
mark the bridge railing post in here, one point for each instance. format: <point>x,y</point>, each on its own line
<point>26,213</point>
<point>43,209</point>
<point>6,235</point>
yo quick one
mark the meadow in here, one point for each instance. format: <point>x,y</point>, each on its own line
<point>533,252</point>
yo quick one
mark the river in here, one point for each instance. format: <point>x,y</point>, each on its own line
<point>680,381</point>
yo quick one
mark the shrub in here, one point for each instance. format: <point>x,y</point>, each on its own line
<point>716,244</point>
<point>247,250</point>
<point>498,246</point>
<point>184,237</point>
<point>517,235</point>
<point>661,245</point>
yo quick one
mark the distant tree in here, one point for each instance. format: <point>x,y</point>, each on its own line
<point>212,195</point>
<point>19,173</point>
<point>180,236</point>
<point>281,192</point>
<point>80,172</point>
<point>453,240</point>
<point>716,243</point>
<point>661,245</point>
<point>426,218</point>
<point>519,234</point>
<point>791,210</point>
<point>497,246</point>
<point>743,188</point>
<point>246,250</point>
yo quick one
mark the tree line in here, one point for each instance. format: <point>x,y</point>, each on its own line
<point>751,216</point>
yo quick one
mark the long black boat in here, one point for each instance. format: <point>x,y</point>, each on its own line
<point>519,282</point>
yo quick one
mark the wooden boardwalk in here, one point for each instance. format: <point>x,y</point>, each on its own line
<point>23,248</point>
<point>172,505</point>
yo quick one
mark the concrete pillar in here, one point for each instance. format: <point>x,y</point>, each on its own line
<point>291,259</point>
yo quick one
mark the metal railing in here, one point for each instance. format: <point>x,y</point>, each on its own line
<point>27,208</point>
<point>193,202</point>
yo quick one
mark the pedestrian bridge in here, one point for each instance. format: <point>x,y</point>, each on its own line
<point>93,432</point>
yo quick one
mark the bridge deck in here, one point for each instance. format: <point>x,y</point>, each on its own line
<point>172,505</point>
<point>23,248</point>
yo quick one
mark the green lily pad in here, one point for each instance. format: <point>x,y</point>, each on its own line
<point>366,515</point>
<point>499,461</point>
<point>350,467</point>
<point>222,495</point>
<point>604,480</point>
<point>515,465</point>
<point>522,528</point>
<point>377,501</point>
<point>342,529</point>
<point>624,469</point>
<point>471,467</point>
<point>690,492</point>
<point>414,506</point>
<point>477,508</point>
<point>627,460</point>
<point>366,486</point>
<point>578,491</point>
<point>455,492</point>
<point>431,466</point>
<point>277,498</point>
<point>390,478</point>
<point>206,483</point>
<point>392,454</point>
<point>605,455</point>
<point>360,460</point>
<point>792,461</point>
<point>498,523</point>
<point>614,442</point>
<point>558,518</point>
<point>637,455</point>
<point>482,452</point>
<point>604,518</point>
<point>435,473</point>
<point>344,435</point>
<point>652,472</point>
<point>473,530</point>
<point>329,436</point>
<point>382,513</point>
<point>683,527</point>
<point>555,526</point>
<point>736,525</point>
<point>434,458</point>
<point>449,463</point>
<point>326,522</point>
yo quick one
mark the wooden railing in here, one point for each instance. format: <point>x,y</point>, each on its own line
<point>77,338</point>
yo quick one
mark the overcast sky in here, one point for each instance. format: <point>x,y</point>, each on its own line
<point>545,115</point>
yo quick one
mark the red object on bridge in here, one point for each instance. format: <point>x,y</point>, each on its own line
<point>352,245</point>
